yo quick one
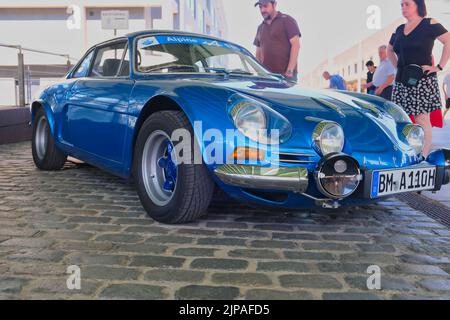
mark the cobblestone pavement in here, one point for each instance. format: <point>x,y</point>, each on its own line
<point>83,216</point>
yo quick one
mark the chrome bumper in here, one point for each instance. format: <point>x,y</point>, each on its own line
<point>254,177</point>
<point>441,158</point>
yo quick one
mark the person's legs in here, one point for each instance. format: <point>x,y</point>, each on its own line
<point>424,121</point>
<point>387,93</point>
<point>447,107</point>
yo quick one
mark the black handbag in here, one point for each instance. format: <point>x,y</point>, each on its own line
<point>411,75</point>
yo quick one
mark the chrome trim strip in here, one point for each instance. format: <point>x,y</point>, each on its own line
<point>254,177</point>
<point>297,161</point>
<point>295,154</point>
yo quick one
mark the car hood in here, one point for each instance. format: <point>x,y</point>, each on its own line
<point>367,129</point>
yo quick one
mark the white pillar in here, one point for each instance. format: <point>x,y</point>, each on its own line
<point>360,70</point>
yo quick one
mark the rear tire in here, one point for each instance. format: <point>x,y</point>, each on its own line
<point>46,155</point>
<point>170,193</point>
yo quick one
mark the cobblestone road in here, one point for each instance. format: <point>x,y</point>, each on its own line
<point>83,216</point>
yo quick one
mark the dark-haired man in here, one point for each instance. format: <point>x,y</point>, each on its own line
<point>371,70</point>
<point>277,40</point>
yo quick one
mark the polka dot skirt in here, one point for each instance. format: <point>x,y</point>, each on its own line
<point>421,99</point>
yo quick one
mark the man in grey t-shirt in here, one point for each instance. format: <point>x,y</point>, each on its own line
<point>384,76</point>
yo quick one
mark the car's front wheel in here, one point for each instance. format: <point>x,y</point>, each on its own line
<point>46,155</point>
<point>171,192</point>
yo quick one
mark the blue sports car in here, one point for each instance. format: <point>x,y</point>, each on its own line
<point>186,114</point>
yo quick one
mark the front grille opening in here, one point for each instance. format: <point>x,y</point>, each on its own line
<point>278,197</point>
<point>295,158</point>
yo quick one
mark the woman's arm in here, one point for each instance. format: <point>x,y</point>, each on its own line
<point>392,56</point>
<point>445,39</point>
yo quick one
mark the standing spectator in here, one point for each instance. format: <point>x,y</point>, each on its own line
<point>277,41</point>
<point>371,70</point>
<point>384,77</point>
<point>446,89</point>
<point>336,81</point>
<point>416,88</point>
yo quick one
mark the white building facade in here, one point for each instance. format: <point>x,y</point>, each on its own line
<point>72,26</point>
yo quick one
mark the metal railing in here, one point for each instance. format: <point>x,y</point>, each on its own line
<point>23,81</point>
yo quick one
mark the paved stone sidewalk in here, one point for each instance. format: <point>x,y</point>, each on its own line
<point>83,216</point>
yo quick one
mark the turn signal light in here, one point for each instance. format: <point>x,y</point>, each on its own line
<point>246,153</point>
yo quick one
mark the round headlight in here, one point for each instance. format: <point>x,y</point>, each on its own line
<point>328,137</point>
<point>251,121</point>
<point>338,176</point>
<point>415,136</point>
<point>396,112</point>
<point>257,121</point>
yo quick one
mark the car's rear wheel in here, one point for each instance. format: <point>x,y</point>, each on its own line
<point>46,155</point>
<point>171,192</point>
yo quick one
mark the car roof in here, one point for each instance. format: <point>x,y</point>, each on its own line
<point>166,32</point>
<point>170,32</point>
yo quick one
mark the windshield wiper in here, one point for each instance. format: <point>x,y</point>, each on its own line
<point>240,71</point>
<point>230,72</point>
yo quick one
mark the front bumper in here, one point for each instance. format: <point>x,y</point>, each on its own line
<point>441,158</point>
<point>245,176</point>
<point>299,180</point>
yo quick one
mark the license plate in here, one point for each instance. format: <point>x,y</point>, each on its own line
<point>399,181</point>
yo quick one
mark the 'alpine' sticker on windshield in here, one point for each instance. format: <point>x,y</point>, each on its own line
<point>158,40</point>
<point>149,42</point>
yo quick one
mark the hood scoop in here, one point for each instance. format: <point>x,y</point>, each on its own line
<point>330,105</point>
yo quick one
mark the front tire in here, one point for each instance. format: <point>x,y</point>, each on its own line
<point>46,155</point>
<point>170,192</point>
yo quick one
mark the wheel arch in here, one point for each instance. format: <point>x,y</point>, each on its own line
<point>155,104</point>
<point>40,104</point>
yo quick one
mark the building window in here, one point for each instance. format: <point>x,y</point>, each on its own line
<point>349,70</point>
<point>201,20</point>
<point>193,7</point>
<point>356,68</point>
<point>155,14</point>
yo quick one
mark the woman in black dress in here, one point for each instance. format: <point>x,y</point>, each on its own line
<point>412,44</point>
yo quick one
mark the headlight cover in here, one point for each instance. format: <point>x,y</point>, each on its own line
<point>258,121</point>
<point>338,176</point>
<point>396,112</point>
<point>328,137</point>
<point>415,136</point>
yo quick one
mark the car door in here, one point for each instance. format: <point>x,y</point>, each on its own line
<point>96,114</point>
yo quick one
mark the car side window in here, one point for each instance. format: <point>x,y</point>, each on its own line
<point>125,66</point>
<point>108,60</point>
<point>83,68</point>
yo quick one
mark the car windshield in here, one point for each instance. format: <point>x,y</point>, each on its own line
<point>185,54</point>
